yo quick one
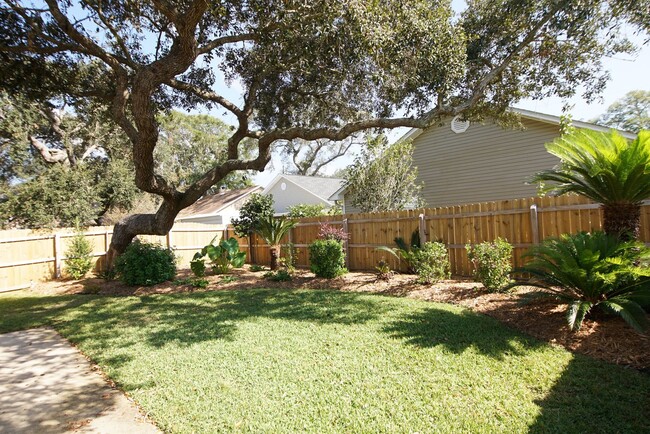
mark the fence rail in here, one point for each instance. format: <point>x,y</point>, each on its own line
<point>523,222</point>
<point>27,257</point>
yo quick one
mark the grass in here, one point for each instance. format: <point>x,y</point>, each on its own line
<point>324,361</point>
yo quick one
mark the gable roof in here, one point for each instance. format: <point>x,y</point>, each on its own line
<point>537,116</point>
<point>212,204</point>
<point>319,186</point>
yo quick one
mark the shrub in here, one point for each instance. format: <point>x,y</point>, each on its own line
<point>327,258</point>
<point>492,263</point>
<point>587,270</point>
<point>431,262</point>
<point>328,232</point>
<point>79,258</point>
<point>289,257</point>
<point>278,276</point>
<point>403,250</point>
<point>145,264</point>
<point>383,270</point>
<point>255,268</point>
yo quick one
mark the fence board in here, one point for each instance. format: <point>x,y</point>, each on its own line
<point>458,225</point>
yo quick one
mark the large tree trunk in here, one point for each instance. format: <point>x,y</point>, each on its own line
<point>622,219</point>
<point>140,224</point>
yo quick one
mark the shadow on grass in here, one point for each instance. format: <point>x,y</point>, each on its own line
<point>197,317</point>
<point>595,397</point>
<point>458,331</point>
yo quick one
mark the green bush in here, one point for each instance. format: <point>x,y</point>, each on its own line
<point>492,263</point>
<point>327,258</point>
<point>592,270</point>
<point>145,264</point>
<point>278,276</point>
<point>255,268</point>
<point>431,262</point>
<point>79,259</point>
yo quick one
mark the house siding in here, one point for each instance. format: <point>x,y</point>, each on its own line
<point>484,163</point>
<point>293,195</point>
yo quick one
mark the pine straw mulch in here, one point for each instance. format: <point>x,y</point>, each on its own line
<point>601,336</point>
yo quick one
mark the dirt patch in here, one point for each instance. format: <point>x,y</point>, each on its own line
<point>602,336</point>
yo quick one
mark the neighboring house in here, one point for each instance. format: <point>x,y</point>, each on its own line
<point>462,162</point>
<point>289,190</point>
<point>218,208</point>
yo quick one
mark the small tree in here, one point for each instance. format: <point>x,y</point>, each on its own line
<point>257,208</point>
<point>383,178</point>
<point>79,259</point>
<point>272,230</point>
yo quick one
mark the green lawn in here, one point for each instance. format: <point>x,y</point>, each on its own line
<point>324,361</point>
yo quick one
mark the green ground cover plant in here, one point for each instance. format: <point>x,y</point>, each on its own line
<point>278,361</point>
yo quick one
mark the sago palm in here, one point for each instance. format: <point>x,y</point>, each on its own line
<point>272,230</point>
<point>606,168</point>
<point>588,270</point>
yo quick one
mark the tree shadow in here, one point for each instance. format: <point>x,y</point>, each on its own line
<point>595,397</point>
<point>191,318</point>
<point>458,331</point>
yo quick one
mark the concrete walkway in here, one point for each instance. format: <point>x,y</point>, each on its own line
<point>47,386</point>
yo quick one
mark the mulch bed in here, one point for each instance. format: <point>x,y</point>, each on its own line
<point>601,336</point>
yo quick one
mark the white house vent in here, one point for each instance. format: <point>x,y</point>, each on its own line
<point>459,125</point>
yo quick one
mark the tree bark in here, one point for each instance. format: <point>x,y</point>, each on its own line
<point>622,219</point>
<point>141,224</point>
<point>275,254</point>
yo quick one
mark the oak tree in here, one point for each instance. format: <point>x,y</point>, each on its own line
<point>308,70</point>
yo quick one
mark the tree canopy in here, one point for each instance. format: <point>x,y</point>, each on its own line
<point>308,70</point>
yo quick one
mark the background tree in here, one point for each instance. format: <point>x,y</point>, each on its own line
<point>191,145</point>
<point>383,178</point>
<point>630,113</point>
<point>60,166</point>
<point>308,158</point>
<point>308,70</point>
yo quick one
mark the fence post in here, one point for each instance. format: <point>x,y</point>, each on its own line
<point>57,255</point>
<point>422,228</point>
<point>346,244</point>
<point>169,239</point>
<point>534,223</point>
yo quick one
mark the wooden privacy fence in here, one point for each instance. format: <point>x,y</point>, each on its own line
<point>523,222</point>
<point>28,256</point>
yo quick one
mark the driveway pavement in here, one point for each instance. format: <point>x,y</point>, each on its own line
<point>47,386</point>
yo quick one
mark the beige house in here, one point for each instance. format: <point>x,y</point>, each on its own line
<point>217,209</point>
<point>462,162</point>
<point>289,190</point>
